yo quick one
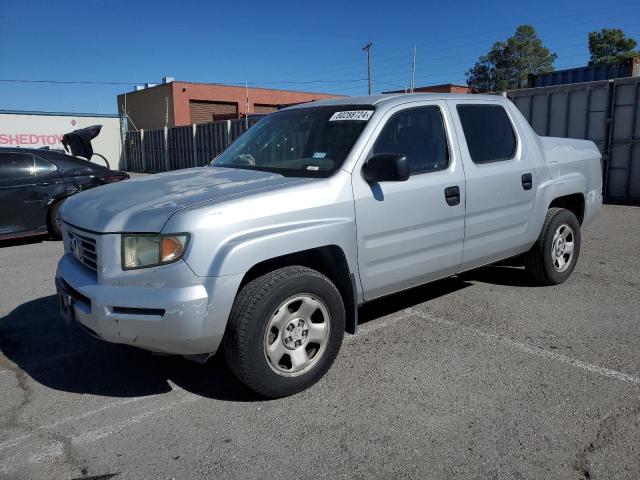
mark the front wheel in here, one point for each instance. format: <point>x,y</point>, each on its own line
<point>53,220</point>
<point>553,257</point>
<point>285,330</point>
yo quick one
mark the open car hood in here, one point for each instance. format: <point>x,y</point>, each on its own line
<point>78,142</point>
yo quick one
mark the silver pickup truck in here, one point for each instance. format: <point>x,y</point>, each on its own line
<point>268,252</point>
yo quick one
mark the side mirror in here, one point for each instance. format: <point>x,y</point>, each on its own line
<point>386,167</point>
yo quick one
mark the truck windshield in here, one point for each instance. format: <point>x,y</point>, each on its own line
<point>304,142</point>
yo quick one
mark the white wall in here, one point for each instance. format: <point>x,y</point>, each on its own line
<point>35,130</point>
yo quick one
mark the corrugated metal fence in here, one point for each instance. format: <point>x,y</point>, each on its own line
<point>605,112</point>
<point>151,151</point>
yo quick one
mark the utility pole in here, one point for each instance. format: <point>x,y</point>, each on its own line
<point>367,48</point>
<point>413,71</point>
<point>166,112</point>
<point>246,117</point>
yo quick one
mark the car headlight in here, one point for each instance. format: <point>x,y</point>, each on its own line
<point>140,251</point>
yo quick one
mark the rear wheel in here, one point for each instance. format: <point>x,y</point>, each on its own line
<point>53,220</point>
<point>552,259</point>
<point>285,330</point>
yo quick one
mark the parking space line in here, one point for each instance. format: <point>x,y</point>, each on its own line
<point>371,327</point>
<point>103,432</point>
<point>49,450</point>
<point>53,449</point>
<point>17,440</point>
<point>539,352</point>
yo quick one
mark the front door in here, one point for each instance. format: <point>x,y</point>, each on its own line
<point>20,205</point>
<point>411,232</point>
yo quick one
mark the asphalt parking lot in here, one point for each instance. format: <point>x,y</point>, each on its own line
<point>481,376</point>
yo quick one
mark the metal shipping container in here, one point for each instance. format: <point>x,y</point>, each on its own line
<point>589,73</point>
<point>605,112</point>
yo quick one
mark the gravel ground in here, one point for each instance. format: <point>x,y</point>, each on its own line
<point>480,376</point>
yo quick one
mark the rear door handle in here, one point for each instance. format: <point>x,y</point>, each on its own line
<point>527,181</point>
<point>452,195</point>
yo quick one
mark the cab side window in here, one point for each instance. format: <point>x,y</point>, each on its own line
<point>16,165</point>
<point>419,135</point>
<point>488,131</point>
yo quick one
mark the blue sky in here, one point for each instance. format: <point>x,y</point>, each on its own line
<point>314,45</point>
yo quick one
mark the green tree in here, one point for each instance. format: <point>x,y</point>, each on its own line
<point>508,64</point>
<point>611,45</point>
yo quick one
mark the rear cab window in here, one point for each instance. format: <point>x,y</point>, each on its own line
<point>488,131</point>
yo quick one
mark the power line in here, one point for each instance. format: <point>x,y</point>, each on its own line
<point>457,48</point>
<point>335,81</point>
<point>532,22</point>
<point>68,82</point>
<point>399,73</point>
<point>581,44</point>
<point>88,82</point>
<point>346,84</point>
<point>447,75</point>
<point>490,32</point>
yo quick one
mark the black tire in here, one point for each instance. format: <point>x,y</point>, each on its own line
<point>539,261</point>
<point>52,220</point>
<point>255,307</point>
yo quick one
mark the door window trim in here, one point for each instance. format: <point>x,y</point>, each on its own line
<point>516,136</point>
<point>53,170</point>
<point>410,109</point>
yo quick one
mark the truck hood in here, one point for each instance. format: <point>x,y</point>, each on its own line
<point>145,204</point>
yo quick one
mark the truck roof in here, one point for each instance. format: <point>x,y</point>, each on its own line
<point>392,99</point>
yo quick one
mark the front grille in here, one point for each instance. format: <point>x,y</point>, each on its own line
<point>84,249</point>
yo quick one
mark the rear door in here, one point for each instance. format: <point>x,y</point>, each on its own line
<point>501,180</point>
<point>409,232</point>
<point>48,186</point>
<point>20,205</point>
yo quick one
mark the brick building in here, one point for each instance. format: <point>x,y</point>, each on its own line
<point>444,88</point>
<point>174,103</point>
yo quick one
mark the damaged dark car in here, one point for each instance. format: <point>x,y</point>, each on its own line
<point>35,182</point>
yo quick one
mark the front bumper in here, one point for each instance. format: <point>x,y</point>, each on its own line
<point>185,320</point>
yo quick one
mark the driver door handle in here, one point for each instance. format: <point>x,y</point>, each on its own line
<point>452,195</point>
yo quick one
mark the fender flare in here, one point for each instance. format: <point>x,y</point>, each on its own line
<point>548,191</point>
<point>238,253</point>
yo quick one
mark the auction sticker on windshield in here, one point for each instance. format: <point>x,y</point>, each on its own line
<point>363,115</point>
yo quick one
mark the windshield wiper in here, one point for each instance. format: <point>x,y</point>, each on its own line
<point>249,167</point>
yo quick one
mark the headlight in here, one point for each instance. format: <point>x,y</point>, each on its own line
<point>140,251</point>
